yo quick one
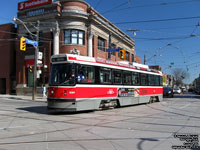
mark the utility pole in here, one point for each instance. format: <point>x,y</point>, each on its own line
<point>144,59</point>
<point>34,92</point>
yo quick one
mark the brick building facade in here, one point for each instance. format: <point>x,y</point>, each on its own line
<point>7,58</point>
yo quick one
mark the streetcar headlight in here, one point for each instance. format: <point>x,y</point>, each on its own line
<point>169,92</point>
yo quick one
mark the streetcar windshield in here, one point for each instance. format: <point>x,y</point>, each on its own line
<point>62,75</point>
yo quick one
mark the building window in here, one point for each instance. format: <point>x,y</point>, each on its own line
<point>127,56</point>
<point>101,44</point>
<point>74,37</point>
<point>133,57</point>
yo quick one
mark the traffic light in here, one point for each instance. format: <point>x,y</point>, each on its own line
<point>23,44</point>
<point>30,68</point>
<point>122,54</point>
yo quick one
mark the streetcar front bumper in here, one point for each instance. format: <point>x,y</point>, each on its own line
<point>61,105</point>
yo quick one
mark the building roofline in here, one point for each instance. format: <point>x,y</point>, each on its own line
<point>107,21</point>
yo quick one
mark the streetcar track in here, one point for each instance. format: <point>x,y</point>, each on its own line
<point>85,125</point>
<point>68,140</point>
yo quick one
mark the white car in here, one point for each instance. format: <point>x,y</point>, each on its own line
<point>177,90</point>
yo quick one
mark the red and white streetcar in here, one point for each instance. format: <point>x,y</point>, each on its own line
<point>79,83</point>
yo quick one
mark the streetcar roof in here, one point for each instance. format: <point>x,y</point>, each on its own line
<point>124,65</point>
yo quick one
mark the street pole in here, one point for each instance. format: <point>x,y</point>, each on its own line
<point>34,90</point>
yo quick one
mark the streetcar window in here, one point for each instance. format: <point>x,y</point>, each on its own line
<point>105,76</point>
<point>117,77</point>
<point>144,79</point>
<point>85,74</point>
<point>151,79</point>
<point>157,82</point>
<point>62,74</point>
<point>127,78</point>
<point>135,78</point>
<point>161,81</point>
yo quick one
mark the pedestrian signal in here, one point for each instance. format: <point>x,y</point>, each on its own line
<point>23,44</point>
<point>122,54</point>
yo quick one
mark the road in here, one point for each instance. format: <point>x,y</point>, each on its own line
<point>25,125</point>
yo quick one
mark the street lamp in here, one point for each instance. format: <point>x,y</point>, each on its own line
<point>34,90</point>
<point>134,31</point>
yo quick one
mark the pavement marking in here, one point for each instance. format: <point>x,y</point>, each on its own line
<point>185,106</point>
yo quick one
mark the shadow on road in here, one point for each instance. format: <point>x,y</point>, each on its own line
<point>45,110</point>
<point>35,109</point>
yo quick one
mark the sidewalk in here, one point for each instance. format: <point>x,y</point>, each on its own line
<point>21,97</point>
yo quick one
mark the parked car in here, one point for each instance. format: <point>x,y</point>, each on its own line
<point>168,92</point>
<point>191,90</point>
<point>197,90</point>
<point>177,90</point>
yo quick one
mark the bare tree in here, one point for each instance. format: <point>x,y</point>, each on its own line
<point>179,75</point>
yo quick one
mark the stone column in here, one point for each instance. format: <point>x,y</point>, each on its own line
<point>90,43</point>
<point>56,45</point>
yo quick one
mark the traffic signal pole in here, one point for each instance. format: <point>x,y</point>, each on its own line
<point>34,90</point>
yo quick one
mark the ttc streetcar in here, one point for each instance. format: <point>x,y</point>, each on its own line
<point>79,83</point>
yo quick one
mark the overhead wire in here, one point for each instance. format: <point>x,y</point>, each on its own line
<point>97,4</point>
<point>149,5</point>
<point>158,20</point>
<point>115,7</point>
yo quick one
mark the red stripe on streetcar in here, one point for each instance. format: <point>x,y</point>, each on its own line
<point>82,92</point>
<point>150,91</point>
<point>95,92</point>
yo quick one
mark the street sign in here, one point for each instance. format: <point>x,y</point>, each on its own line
<point>40,55</point>
<point>112,50</point>
<point>39,62</point>
<point>35,43</point>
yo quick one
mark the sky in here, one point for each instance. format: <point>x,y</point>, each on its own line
<point>168,31</point>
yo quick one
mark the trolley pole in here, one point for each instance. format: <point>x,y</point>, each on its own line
<point>34,90</point>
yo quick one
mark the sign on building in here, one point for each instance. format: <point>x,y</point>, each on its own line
<point>32,3</point>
